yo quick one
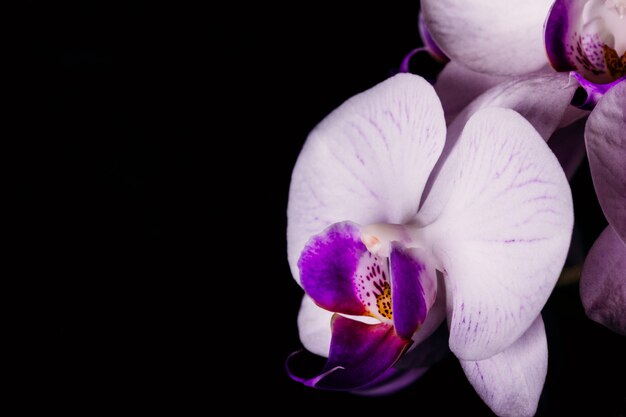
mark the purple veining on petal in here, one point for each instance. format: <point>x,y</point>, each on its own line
<point>328,265</point>
<point>556,33</point>
<point>359,354</point>
<point>408,298</point>
<point>593,91</point>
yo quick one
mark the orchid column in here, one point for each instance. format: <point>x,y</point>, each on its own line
<point>384,260</point>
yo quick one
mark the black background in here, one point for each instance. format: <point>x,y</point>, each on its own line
<point>158,146</point>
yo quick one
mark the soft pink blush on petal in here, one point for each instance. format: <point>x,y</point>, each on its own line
<point>500,216</point>
<point>603,282</point>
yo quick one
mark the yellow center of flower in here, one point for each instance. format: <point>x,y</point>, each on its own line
<point>383,301</point>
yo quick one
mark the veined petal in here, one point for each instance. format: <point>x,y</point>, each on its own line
<point>359,353</point>
<point>367,161</point>
<point>541,98</point>
<point>603,281</point>
<point>457,86</point>
<point>510,382</point>
<point>414,288</point>
<point>501,37</point>
<point>501,233</point>
<point>605,138</point>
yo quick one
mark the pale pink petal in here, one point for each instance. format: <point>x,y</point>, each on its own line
<point>603,282</point>
<point>500,37</point>
<point>510,383</point>
<point>367,161</point>
<point>605,136</point>
<point>541,98</point>
<point>500,217</point>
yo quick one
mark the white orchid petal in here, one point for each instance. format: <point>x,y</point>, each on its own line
<point>503,217</point>
<point>541,98</point>
<point>366,162</point>
<point>499,37</point>
<point>510,383</point>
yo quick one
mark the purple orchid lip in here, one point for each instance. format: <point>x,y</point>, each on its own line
<point>408,298</point>
<point>359,354</point>
<point>341,274</point>
<point>584,36</point>
<point>328,265</point>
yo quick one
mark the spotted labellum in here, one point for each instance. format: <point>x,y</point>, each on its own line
<point>398,224</point>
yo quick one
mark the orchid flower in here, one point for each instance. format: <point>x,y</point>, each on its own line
<point>586,38</point>
<point>543,100</point>
<point>383,259</point>
<point>589,38</point>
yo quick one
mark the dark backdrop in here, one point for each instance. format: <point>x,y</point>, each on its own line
<point>166,179</point>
